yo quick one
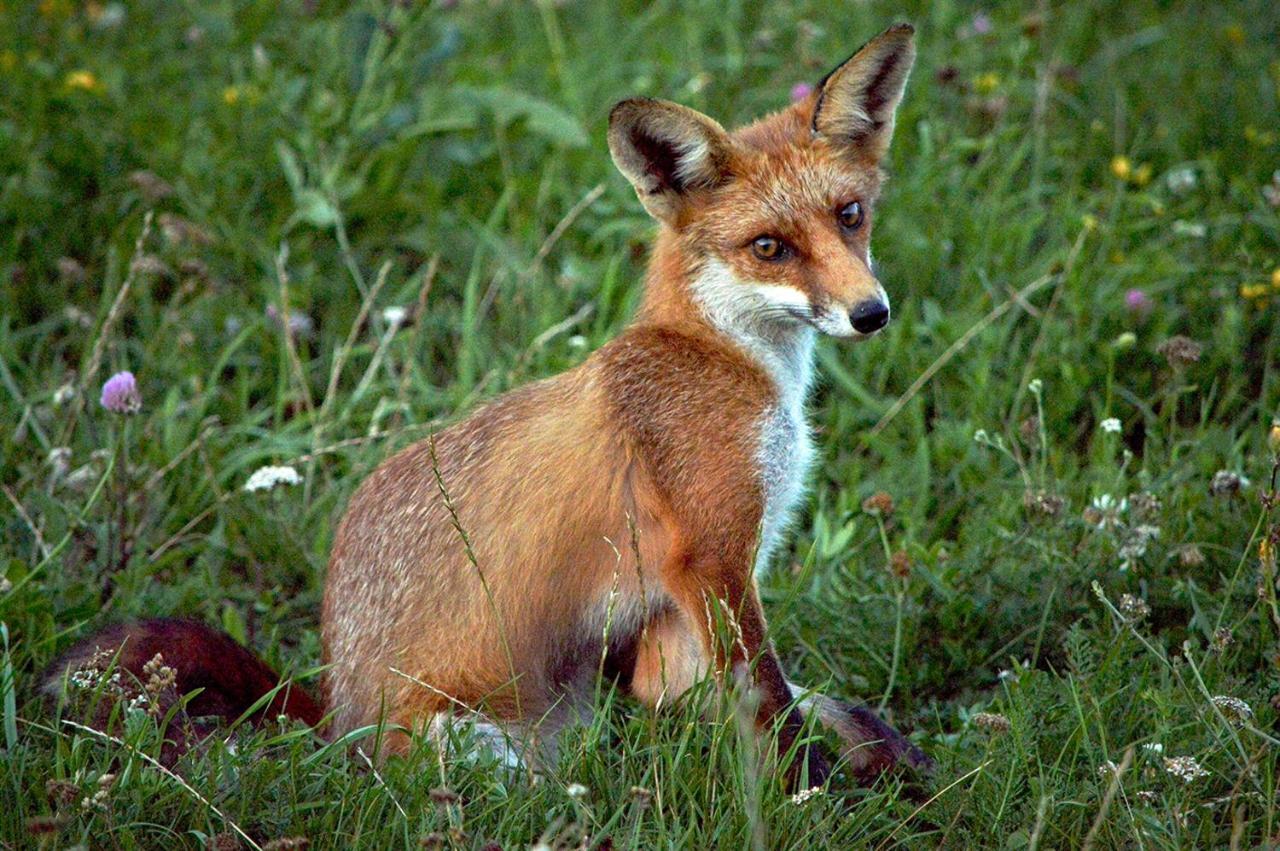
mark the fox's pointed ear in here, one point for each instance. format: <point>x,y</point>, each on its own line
<point>666,151</point>
<point>856,102</point>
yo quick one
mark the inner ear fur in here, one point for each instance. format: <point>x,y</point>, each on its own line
<point>856,102</point>
<point>666,151</point>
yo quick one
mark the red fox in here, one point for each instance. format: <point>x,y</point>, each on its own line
<point>621,510</point>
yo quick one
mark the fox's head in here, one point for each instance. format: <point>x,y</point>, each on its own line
<point>771,223</point>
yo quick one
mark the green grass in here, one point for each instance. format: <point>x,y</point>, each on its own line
<point>450,158</point>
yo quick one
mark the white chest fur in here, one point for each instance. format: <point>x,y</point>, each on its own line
<point>747,314</point>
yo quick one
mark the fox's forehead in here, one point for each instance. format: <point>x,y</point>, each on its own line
<point>774,189</point>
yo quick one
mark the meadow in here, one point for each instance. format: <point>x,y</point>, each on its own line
<point>1042,535</point>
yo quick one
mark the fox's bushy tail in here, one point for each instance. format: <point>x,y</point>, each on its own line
<point>231,679</point>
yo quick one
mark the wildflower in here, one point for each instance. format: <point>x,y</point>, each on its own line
<point>286,842</point>
<point>879,504</point>
<point>231,95</point>
<point>1125,341</point>
<point>992,722</point>
<point>1153,747</point>
<point>1043,502</point>
<point>1234,33</point>
<point>1227,483</point>
<point>1141,175</point>
<point>70,270</point>
<point>1185,768</point>
<point>576,790</point>
<point>1138,303</point>
<point>1008,675</point>
<point>1135,545</point>
<point>642,796</point>
<point>1180,351</point>
<point>1189,555</point>
<point>394,315</point>
<point>980,436</point>
<point>1089,222</point>
<point>1182,227</point>
<point>1234,709</point>
<point>900,564</point>
<point>83,81</point>
<point>1035,386</point>
<point>1147,796</point>
<point>1222,639</point>
<point>120,394</point>
<point>6,585</point>
<point>444,796</point>
<point>1273,437</point>
<point>800,91</point>
<point>981,24</point>
<point>1134,608</point>
<point>266,478</point>
<point>300,324</point>
<point>153,187</point>
<point>577,341</point>
<point>106,17</point>
<point>1121,167</point>
<point>1271,191</point>
<point>1108,770</point>
<point>1029,430</point>
<point>805,795</point>
<point>225,841</point>
<point>180,231</point>
<point>59,459</point>
<point>1105,510</point>
<point>1181,180</point>
<point>987,83</point>
<point>1145,505</point>
<point>1111,425</point>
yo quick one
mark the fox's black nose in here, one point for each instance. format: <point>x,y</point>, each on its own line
<point>869,316</point>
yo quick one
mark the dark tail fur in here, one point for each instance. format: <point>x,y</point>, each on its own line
<point>231,678</point>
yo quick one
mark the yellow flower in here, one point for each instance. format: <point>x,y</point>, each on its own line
<point>84,81</point>
<point>987,83</point>
<point>1234,34</point>
<point>1273,437</point>
<point>1089,222</point>
<point>231,95</point>
<point>1266,554</point>
<point>1142,175</point>
<point>1275,278</point>
<point>1253,290</point>
<point>1121,167</point>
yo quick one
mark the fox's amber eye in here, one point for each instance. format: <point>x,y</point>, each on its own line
<point>850,216</point>
<point>768,248</point>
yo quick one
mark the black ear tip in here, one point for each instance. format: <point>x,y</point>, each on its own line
<point>901,28</point>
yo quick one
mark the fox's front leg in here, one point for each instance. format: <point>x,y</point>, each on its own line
<point>704,579</point>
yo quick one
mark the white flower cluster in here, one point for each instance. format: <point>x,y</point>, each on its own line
<point>805,795</point>
<point>266,478</point>
<point>1185,768</point>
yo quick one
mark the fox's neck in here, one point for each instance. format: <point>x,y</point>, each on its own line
<point>704,295</point>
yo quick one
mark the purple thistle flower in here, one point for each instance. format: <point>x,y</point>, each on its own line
<point>120,394</point>
<point>981,24</point>
<point>1138,303</point>
<point>800,91</point>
